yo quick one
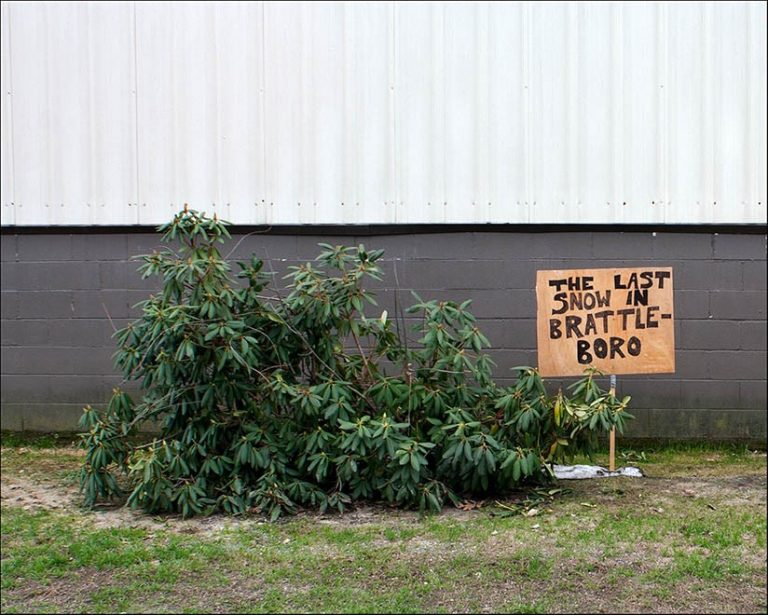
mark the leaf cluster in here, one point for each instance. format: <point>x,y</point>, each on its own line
<point>269,403</point>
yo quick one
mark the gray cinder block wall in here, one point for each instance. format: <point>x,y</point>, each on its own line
<point>64,293</point>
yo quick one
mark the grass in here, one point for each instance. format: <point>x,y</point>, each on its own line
<point>690,537</point>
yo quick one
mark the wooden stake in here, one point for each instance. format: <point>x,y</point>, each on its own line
<point>612,437</point>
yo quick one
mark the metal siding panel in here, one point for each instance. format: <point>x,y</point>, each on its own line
<point>549,114</point>
<point>621,206</point>
<point>463,102</point>
<point>595,151</point>
<point>384,112</point>
<point>239,31</point>
<point>421,126</point>
<point>506,165</point>
<point>288,174</point>
<point>200,110</point>
<point>112,109</point>
<point>7,208</point>
<point>731,117</point>
<point>368,95</point>
<point>177,65</point>
<point>758,102</point>
<point>662,107</point>
<point>73,108</point>
<point>331,161</point>
<point>641,113</point>
<point>686,139</point>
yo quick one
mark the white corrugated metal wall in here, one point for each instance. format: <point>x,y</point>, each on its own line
<point>298,113</point>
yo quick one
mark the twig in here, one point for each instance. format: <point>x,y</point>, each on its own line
<point>114,328</point>
<point>244,237</point>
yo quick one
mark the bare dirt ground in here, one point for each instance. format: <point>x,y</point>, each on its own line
<point>33,490</point>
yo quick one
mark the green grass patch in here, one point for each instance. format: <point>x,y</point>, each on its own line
<point>610,544</point>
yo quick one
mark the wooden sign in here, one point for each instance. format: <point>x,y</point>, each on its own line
<point>620,321</point>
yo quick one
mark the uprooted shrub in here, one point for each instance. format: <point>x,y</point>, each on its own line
<point>269,403</point>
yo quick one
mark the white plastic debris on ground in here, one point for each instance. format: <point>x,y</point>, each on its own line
<point>584,471</point>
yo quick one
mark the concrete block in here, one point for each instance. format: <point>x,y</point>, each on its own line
<point>124,275</point>
<point>64,275</point>
<point>45,304</point>
<point>739,305</point>
<point>570,246</point>
<point>507,359</point>
<point>10,276</point>
<point>23,332</point>
<point>447,245</point>
<point>610,244</point>
<point>75,389</point>
<point>113,275</point>
<point>710,394</point>
<point>262,246</point>
<point>494,303</point>
<point>30,388</point>
<point>465,274</point>
<point>736,365</point>
<point>648,392</point>
<point>708,275</point>
<point>704,424</point>
<point>44,247</point>
<point>753,394</point>
<point>754,274</point>
<point>8,248</point>
<point>691,304</point>
<point>100,304</point>
<point>78,361</point>
<point>79,333</point>
<point>752,335</point>
<point>691,364</point>
<point>740,246</point>
<point>302,249</point>
<point>73,276</point>
<point>674,247</point>
<point>708,334</point>
<point>98,247</point>
<point>26,276</point>
<point>40,417</point>
<point>510,333</point>
<point>548,262</point>
<point>141,243</point>
<point>11,417</point>
<point>9,304</point>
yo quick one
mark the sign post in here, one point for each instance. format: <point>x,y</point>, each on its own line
<point>612,437</point>
<point>619,321</point>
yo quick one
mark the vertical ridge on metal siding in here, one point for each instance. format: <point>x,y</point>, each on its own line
<point>368,146</point>
<point>641,111</point>
<point>507,179</point>
<point>240,106</point>
<point>462,101</point>
<point>334,112</point>
<point>757,79</point>
<point>420,82</point>
<point>549,52</point>
<point>595,153</point>
<point>7,209</point>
